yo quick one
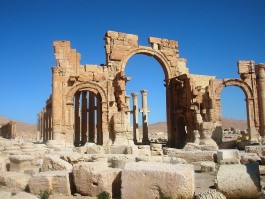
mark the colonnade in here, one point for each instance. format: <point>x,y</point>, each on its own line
<point>88,118</point>
<point>144,110</point>
<point>45,124</point>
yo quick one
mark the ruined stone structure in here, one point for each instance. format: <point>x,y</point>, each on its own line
<point>89,103</point>
<point>8,130</point>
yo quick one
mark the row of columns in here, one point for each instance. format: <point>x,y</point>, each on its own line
<point>45,124</point>
<point>85,120</point>
<point>144,111</point>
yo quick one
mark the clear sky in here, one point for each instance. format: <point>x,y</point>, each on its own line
<point>212,36</point>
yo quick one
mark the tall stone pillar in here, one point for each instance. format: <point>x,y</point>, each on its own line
<point>127,100</point>
<point>91,117</point>
<point>99,121</point>
<point>261,93</point>
<point>57,102</point>
<point>145,111</point>
<point>77,119</point>
<point>84,119</point>
<point>135,118</point>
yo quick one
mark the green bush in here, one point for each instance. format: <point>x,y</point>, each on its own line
<point>44,194</point>
<point>103,195</point>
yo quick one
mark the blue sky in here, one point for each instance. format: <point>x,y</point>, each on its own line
<point>212,36</point>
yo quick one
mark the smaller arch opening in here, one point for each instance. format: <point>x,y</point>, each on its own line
<point>233,114</point>
<point>88,118</point>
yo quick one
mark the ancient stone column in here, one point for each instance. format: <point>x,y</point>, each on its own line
<point>145,111</point>
<point>127,99</point>
<point>91,117</point>
<point>135,118</point>
<point>77,119</point>
<point>84,119</point>
<point>57,102</point>
<point>99,121</point>
<point>261,93</point>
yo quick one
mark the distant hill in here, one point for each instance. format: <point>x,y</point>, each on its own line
<point>226,123</point>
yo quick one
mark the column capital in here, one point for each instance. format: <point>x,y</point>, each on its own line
<point>144,91</point>
<point>134,95</point>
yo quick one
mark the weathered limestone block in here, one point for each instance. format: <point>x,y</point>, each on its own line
<point>19,163</point>
<point>55,182</point>
<point>150,180</point>
<point>92,178</point>
<point>190,156</point>
<point>239,181</point>
<point>121,149</point>
<point>249,157</point>
<point>14,180</point>
<point>193,146</point>
<point>162,159</point>
<point>5,194</point>
<point>24,195</point>
<point>208,166</point>
<point>258,149</point>
<point>54,163</point>
<point>119,161</point>
<point>144,150</point>
<point>228,156</point>
<point>211,194</point>
<point>156,149</point>
<point>71,157</point>
<point>2,164</point>
<point>94,149</point>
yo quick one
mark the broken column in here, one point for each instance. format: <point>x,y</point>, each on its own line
<point>135,118</point>
<point>145,111</point>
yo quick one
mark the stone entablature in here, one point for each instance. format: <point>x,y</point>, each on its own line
<point>90,103</point>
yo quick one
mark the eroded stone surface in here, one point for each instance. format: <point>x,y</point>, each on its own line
<point>146,180</point>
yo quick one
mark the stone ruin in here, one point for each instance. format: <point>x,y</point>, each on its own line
<point>89,103</point>
<point>89,147</point>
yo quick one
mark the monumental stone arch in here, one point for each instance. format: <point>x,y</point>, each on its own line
<point>251,97</point>
<point>89,102</point>
<point>88,129</point>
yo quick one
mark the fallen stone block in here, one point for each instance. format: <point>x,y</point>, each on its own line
<point>211,194</point>
<point>228,156</point>
<point>250,157</point>
<point>55,182</point>
<point>23,195</point>
<point>14,180</point>
<point>258,149</point>
<point>156,149</point>
<point>144,150</point>
<point>2,164</point>
<point>92,148</point>
<point>152,180</point>
<point>19,163</point>
<point>162,159</point>
<point>239,181</point>
<point>208,166</point>
<point>119,161</point>
<point>5,194</point>
<point>92,178</point>
<point>190,156</point>
<point>54,163</point>
<point>71,157</point>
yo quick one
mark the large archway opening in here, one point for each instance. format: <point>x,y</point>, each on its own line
<point>233,114</point>
<point>147,75</point>
<point>87,118</point>
<point>233,102</point>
